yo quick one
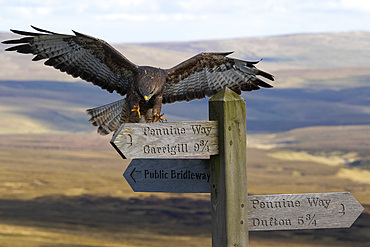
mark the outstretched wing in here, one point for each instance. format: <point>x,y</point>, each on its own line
<point>79,55</point>
<point>207,73</point>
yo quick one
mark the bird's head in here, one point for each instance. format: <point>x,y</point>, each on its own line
<point>150,82</point>
<point>147,88</point>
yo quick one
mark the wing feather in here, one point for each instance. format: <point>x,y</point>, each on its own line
<point>207,73</point>
<point>78,55</point>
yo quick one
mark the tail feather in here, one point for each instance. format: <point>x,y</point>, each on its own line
<point>105,113</point>
<point>110,126</point>
<point>108,117</point>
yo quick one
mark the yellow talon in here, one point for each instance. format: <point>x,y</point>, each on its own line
<point>159,117</point>
<point>137,109</point>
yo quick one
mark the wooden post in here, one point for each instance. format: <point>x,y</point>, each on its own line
<point>229,196</point>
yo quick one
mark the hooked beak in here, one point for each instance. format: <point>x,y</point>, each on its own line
<point>147,98</point>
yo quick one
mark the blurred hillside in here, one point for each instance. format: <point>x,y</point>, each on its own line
<point>61,184</point>
<point>43,106</point>
<point>321,79</point>
<point>315,61</point>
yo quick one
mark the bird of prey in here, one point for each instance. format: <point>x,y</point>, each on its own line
<point>146,88</point>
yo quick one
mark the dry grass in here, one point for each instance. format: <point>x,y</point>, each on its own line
<point>355,175</point>
<point>19,236</point>
<point>68,190</point>
<point>9,117</point>
<point>331,159</point>
<point>328,139</point>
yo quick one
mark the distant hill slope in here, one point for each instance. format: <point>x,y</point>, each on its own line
<point>325,60</point>
<point>42,106</point>
<point>321,79</point>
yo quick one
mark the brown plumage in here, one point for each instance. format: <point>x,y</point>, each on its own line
<point>147,88</point>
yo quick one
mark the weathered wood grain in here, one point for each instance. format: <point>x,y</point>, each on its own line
<point>302,211</point>
<point>229,171</point>
<point>265,212</point>
<point>166,140</point>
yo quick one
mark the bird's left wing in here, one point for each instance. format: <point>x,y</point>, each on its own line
<point>207,73</point>
<point>79,55</point>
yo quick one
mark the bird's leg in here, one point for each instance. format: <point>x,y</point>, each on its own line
<point>137,109</point>
<point>159,117</point>
<point>157,109</point>
<point>134,100</point>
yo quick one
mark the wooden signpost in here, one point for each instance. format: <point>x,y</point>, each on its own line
<point>302,211</point>
<point>234,213</point>
<point>162,140</point>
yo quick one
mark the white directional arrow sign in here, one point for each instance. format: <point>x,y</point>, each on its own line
<point>302,211</point>
<point>166,140</point>
<point>168,175</point>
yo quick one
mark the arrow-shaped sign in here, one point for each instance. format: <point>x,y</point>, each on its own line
<point>265,212</point>
<point>302,211</point>
<point>168,175</point>
<point>166,140</point>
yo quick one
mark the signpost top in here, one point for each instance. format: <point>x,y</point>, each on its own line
<point>226,95</point>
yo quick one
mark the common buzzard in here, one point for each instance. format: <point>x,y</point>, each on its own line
<point>147,88</point>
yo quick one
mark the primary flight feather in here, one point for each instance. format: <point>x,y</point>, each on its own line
<point>146,88</point>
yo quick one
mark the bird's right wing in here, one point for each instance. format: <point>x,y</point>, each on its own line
<point>79,55</point>
<point>207,73</point>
